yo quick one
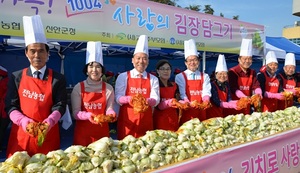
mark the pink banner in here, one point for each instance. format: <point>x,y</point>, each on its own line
<point>122,21</point>
<point>278,153</point>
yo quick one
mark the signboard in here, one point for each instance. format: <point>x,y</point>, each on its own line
<point>122,21</point>
<point>278,153</point>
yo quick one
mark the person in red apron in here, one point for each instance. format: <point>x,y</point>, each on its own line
<point>92,97</point>
<point>130,83</point>
<point>4,119</point>
<point>288,79</point>
<point>220,92</point>
<point>193,84</point>
<point>270,85</point>
<point>35,94</point>
<point>165,116</point>
<point>242,79</point>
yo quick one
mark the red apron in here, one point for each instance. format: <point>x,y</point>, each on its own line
<point>194,92</point>
<point>36,103</point>
<point>86,132</point>
<point>272,86</point>
<point>216,111</point>
<point>130,123</point>
<point>3,90</point>
<point>166,119</point>
<point>244,84</point>
<point>287,84</point>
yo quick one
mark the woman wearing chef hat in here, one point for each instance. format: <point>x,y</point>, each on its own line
<point>242,79</point>
<point>270,85</point>
<point>193,84</point>
<point>288,78</point>
<point>35,94</point>
<point>220,92</point>
<point>92,97</point>
<point>128,84</point>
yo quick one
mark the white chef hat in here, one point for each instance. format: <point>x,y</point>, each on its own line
<point>33,30</point>
<point>290,59</point>
<point>142,45</point>
<point>221,64</point>
<point>94,52</point>
<point>271,57</point>
<point>190,48</point>
<point>246,47</point>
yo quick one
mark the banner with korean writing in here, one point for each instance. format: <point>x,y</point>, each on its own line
<point>122,21</point>
<point>278,153</point>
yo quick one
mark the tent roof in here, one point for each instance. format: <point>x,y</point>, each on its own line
<point>280,53</point>
<point>284,44</point>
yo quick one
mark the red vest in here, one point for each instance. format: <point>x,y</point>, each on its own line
<point>271,85</point>
<point>166,119</point>
<point>216,111</point>
<point>287,84</point>
<point>245,84</point>
<point>193,90</point>
<point>86,132</point>
<point>35,103</point>
<point>3,90</point>
<point>130,123</point>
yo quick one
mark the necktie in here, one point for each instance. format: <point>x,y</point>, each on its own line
<point>37,74</point>
<point>140,75</point>
<point>193,76</point>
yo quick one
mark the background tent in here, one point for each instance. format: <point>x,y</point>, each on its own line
<point>284,44</point>
<point>280,53</point>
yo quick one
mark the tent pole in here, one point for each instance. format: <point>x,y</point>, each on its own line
<point>62,57</point>
<point>264,52</point>
<point>203,61</point>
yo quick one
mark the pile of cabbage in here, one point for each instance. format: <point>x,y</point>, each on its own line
<point>158,147</point>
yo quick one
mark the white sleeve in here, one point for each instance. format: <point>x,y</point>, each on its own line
<point>120,87</point>
<point>179,80</point>
<point>154,89</point>
<point>206,90</point>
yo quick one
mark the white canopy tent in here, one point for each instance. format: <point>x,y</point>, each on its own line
<point>280,53</point>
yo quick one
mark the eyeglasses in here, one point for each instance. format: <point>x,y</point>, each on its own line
<point>192,60</point>
<point>164,69</point>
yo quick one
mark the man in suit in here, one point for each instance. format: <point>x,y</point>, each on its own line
<point>35,94</point>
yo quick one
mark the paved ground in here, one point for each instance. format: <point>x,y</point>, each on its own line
<point>66,139</point>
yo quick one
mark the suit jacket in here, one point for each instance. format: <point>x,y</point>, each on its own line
<point>59,92</point>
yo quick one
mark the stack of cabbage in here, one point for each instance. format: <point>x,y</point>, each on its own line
<point>157,148</point>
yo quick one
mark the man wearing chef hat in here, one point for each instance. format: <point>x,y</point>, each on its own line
<point>242,79</point>
<point>130,83</point>
<point>220,91</point>
<point>288,78</point>
<point>193,85</point>
<point>269,84</point>
<point>92,97</point>
<point>35,94</point>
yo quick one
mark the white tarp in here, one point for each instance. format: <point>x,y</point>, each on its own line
<point>280,53</point>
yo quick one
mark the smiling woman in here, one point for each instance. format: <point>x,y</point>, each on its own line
<point>165,115</point>
<point>92,98</point>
